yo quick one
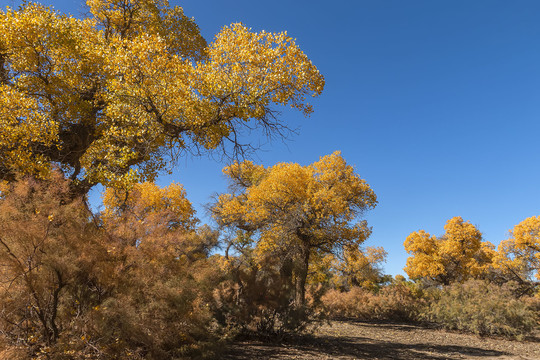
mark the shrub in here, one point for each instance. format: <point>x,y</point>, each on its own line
<point>397,302</point>
<point>257,300</point>
<point>73,288</point>
<point>352,303</point>
<point>533,303</point>
<point>481,308</point>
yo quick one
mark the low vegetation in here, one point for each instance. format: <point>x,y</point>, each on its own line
<point>481,308</point>
<point>397,302</point>
<point>113,99</point>
<point>142,279</point>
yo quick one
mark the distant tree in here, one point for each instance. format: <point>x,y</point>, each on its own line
<point>457,255</point>
<point>354,266</point>
<point>363,267</point>
<point>294,211</point>
<point>526,236</point>
<point>518,258</point>
<point>112,97</point>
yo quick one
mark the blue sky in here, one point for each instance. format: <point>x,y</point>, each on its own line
<point>435,103</point>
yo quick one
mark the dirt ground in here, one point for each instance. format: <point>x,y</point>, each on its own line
<point>346,340</point>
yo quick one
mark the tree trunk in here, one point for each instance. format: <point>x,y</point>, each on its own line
<point>301,277</point>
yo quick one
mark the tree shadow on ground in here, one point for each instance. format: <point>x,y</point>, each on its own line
<point>391,325</point>
<point>407,327</point>
<point>380,349</point>
<point>357,347</point>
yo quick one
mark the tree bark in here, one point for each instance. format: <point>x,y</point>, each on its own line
<point>301,277</point>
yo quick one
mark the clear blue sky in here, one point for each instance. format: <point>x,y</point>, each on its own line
<point>436,104</point>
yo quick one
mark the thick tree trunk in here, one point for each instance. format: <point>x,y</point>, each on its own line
<point>286,277</point>
<point>301,277</point>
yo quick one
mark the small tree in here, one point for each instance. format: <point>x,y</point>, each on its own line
<point>526,236</point>
<point>294,210</point>
<point>363,267</point>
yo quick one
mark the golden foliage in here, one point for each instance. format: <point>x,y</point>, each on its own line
<point>168,205</point>
<point>527,234</point>
<point>113,96</point>
<point>297,210</point>
<point>456,256</point>
<point>519,255</point>
<point>362,267</point>
<point>315,205</point>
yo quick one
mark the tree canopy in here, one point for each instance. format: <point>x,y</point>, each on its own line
<point>519,256</point>
<point>113,97</point>
<point>297,210</point>
<point>457,255</point>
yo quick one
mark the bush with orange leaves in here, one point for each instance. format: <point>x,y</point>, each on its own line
<point>396,302</point>
<point>75,286</point>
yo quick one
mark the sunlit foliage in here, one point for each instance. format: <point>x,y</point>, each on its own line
<point>146,203</point>
<point>519,256</point>
<point>297,210</point>
<point>457,255</point>
<point>353,267</point>
<point>114,96</point>
<point>362,267</point>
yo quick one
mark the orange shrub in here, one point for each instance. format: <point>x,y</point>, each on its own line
<point>72,289</point>
<point>394,302</point>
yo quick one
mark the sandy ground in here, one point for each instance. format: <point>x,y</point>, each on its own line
<point>362,340</point>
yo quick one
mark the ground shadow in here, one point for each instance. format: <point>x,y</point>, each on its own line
<point>331,347</point>
<point>355,347</point>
